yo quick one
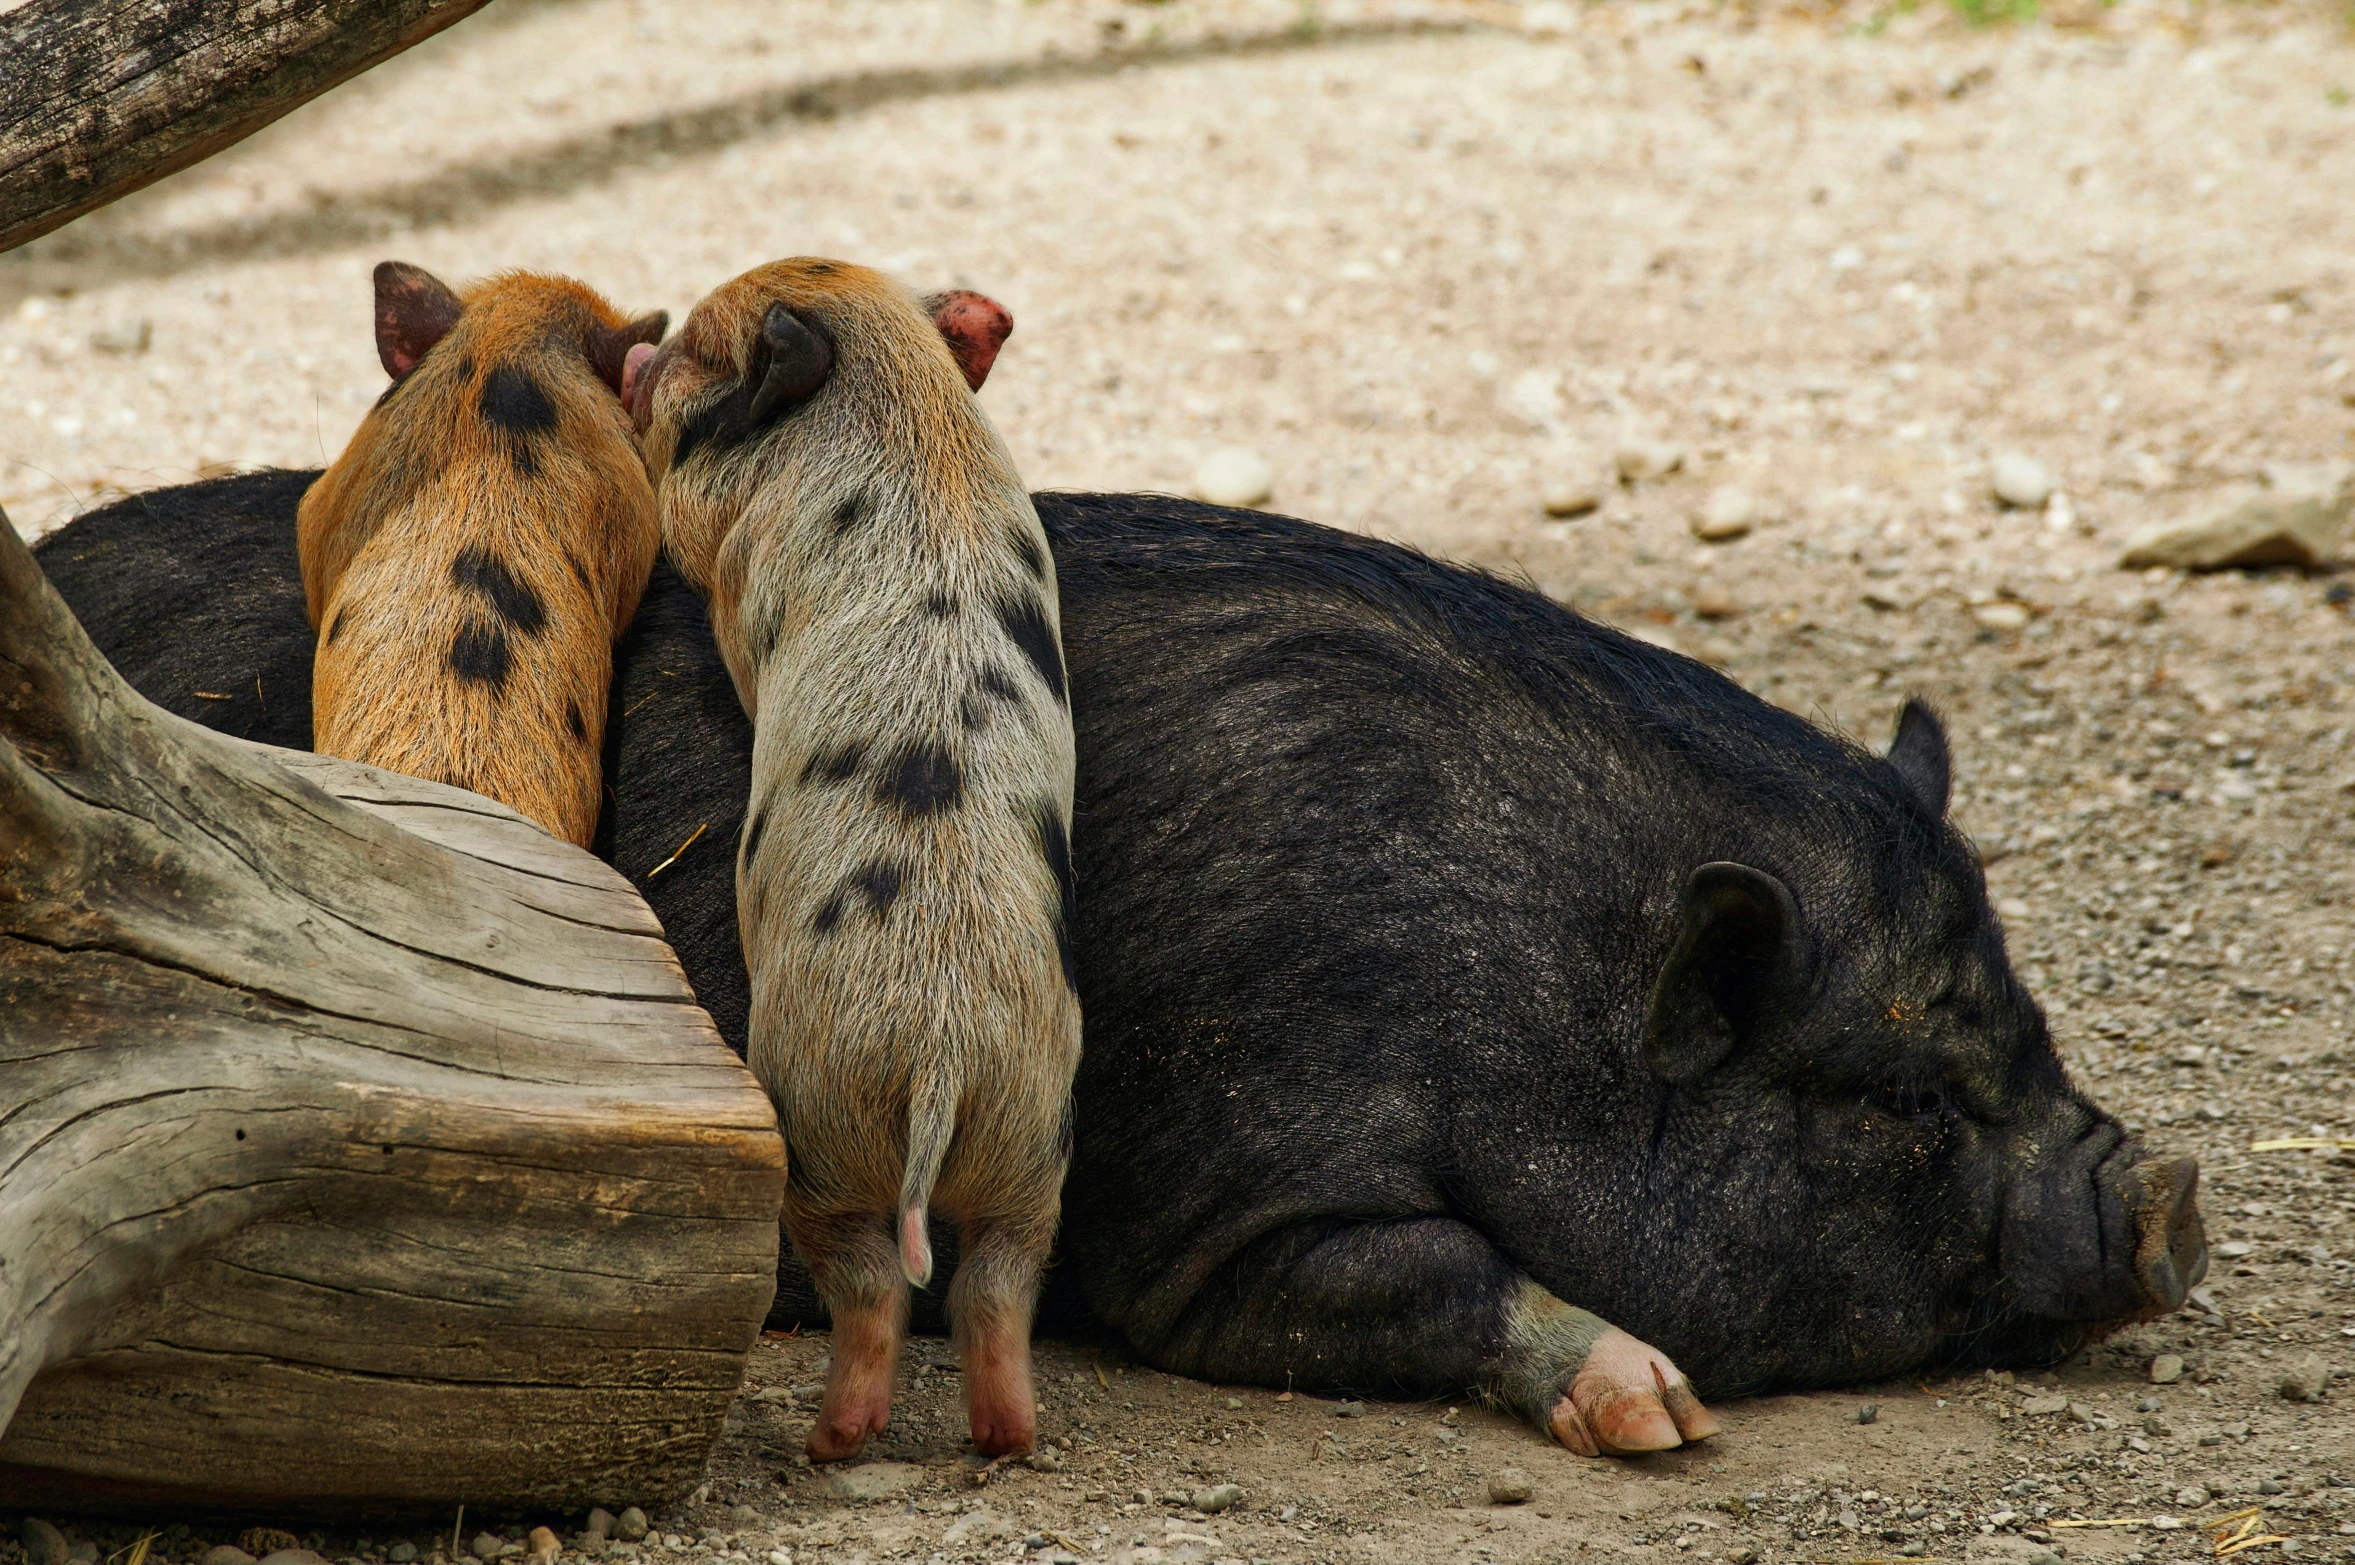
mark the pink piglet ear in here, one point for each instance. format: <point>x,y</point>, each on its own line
<point>609,346</point>
<point>974,326</point>
<point>414,310</point>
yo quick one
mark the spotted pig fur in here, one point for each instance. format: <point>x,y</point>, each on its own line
<point>470,558</point>
<point>884,599</point>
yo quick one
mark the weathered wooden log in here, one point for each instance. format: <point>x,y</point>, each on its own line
<point>361,1145</point>
<point>97,100</point>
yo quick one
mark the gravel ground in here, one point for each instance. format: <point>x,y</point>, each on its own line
<point>1434,264</point>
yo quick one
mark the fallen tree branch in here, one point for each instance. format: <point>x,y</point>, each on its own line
<point>361,1145</point>
<point>99,99</point>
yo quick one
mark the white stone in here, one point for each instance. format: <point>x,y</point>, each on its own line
<point>1234,475</point>
<point>1728,514</point>
<point>2020,481</point>
<point>1571,496</point>
<point>2001,616</point>
<point>1641,461</point>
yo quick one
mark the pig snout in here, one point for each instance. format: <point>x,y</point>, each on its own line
<point>2103,1233</point>
<point>2170,1240</point>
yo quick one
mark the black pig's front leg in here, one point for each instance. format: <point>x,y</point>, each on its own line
<point>1425,1307</point>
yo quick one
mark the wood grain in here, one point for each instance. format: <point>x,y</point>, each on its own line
<point>99,99</point>
<point>361,1146</point>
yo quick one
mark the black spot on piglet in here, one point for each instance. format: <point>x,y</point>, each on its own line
<point>921,779</point>
<point>1025,621</point>
<point>1055,847</point>
<point>516,403</point>
<point>481,655</point>
<point>877,882</point>
<point>572,719</point>
<point>837,765</point>
<point>478,570</point>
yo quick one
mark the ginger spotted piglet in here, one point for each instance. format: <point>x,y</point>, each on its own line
<point>470,558</point>
<point>883,596</point>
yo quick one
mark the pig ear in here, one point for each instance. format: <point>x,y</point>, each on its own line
<point>975,328</point>
<point>609,346</point>
<point>414,310</point>
<point>799,360</point>
<point>1919,754</point>
<point>1740,945</point>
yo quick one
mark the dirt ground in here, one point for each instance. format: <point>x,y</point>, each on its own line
<point>1431,263</point>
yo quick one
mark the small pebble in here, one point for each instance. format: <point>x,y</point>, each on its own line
<point>1729,514</point>
<point>264,1541</point>
<point>1350,1410</point>
<point>630,1525</point>
<point>231,1554</point>
<point>1234,1404</point>
<point>2306,1380</point>
<point>1043,1460</point>
<point>1510,1486</point>
<point>1869,1413</point>
<point>1218,1497</point>
<point>45,1545</point>
<point>487,1545</point>
<point>2269,1486</point>
<point>1641,461</point>
<point>1742,1555</point>
<point>1715,603</point>
<point>1571,497</point>
<point>2021,482</point>
<point>1234,475</point>
<point>2166,1369</point>
<point>127,337</point>
<point>743,1516</point>
<point>84,1552</point>
<point>401,1553</point>
<point>2001,616</point>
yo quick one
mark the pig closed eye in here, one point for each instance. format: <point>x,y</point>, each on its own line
<point>1912,1102</point>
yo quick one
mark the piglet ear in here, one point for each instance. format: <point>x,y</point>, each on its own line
<point>975,328</point>
<point>414,310</point>
<point>1739,949</point>
<point>799,360</point>
<point>1919,754</point>
<point>609,346</point>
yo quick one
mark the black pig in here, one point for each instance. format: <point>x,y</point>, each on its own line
<point>1465,981</point>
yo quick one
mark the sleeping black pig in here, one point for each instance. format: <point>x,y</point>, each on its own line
<point>1475,996</point>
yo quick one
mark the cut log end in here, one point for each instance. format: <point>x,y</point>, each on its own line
<point>361,1146</point>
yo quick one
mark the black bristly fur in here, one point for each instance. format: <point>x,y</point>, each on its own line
<point>1376,863</point>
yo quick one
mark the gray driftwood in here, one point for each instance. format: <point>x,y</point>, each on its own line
<point>361,1145</point>
<point>100,97</point>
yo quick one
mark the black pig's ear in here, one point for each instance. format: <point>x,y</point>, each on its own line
<point>1740,946</point>
<point>799,360</point>
<point>414,310</point>
<point>1919,754</point>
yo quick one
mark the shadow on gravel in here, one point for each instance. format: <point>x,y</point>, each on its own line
<point>464,190</point>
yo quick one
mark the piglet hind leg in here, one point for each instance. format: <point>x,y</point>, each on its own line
<point>1596,1389</point>
<point>856,1269</point>
<point>991,1305</point>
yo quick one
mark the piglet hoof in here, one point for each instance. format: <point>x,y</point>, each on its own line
<point>841,1432</point>
<point>1628,1398</point>
<point>1003,1434</point>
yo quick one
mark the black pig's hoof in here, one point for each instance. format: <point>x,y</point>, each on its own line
<point>1628,1398</point>
<point>1590,1385</point>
